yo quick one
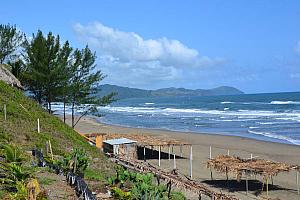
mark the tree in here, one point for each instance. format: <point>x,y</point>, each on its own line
<point>10,40</point>
<point>66,76</point>
<point>46,65</point>
<point>83,85</point>
<point>16,67</point>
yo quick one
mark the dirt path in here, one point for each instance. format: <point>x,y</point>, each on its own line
<point>56,186</point>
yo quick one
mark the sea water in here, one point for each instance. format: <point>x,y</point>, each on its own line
<point>270,117</point>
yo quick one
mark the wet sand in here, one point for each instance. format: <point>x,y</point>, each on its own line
<point>284,184</point>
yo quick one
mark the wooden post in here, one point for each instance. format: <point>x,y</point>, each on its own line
<point>144,154</point>
<point>247,184</point>
<point>75,163</point>
<point>227,174</point>
<point>200,196</point>
<point>159,156</point>
<point>228,153</point>
<point>297,181</point>
<point>174,161</point>
<point>191,161</point>
<point>251,156</point>
<point>5,112</point>
<point>210,157</point>
<point>169,152</point>
<point>50,146</point>
<point>181,150</point>
<point>99,141</point>
<point>38,125</point>
<point>267,187</point>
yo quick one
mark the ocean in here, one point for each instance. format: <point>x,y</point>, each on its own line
<point>270,117</point>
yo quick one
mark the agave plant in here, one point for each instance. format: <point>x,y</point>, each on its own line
<point>21,193</point>
<point>12,173</point>
<point>77,161</point>
<point>11,153</point>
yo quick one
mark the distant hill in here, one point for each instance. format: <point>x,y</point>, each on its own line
<point>126,92</point>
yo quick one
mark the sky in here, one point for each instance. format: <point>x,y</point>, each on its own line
<point>251,45</point>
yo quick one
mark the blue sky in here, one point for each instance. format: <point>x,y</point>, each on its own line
<point>252,45</point>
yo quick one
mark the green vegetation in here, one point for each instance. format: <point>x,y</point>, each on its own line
<point>131,185</point>
<point>54,72</point>
<point>91,174</point>
<point>16,178</point>
<point>126,92</point>
<point>21,128</point>
<point>10,40</point>
<point>77,161</point>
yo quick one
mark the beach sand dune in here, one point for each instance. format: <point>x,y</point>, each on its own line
<point>284,184</point>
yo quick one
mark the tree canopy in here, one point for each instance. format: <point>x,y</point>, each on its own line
<point>53,71</point>
<point>10,40</point>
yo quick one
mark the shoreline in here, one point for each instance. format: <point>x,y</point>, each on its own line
<point>238,146</point>
<point>207,139</point>
<point>284,142</point>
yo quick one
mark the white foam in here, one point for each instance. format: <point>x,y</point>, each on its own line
<point>253,127</point>
<point>226,108</point>
<point>199,125</point>
<point>266,123</point>
<point>284,102</point>
<point>149,103</point>
<point>241,114</point>
<point>276,136</point>
<point>226,102</point>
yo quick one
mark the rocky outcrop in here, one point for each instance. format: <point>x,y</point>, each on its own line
<point>9,78</point>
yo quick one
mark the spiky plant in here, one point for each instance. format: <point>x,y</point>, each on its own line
<point>12,173</point>
<point>11,153</point>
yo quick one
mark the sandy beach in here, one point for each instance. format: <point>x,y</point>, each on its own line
<point>284,184</point>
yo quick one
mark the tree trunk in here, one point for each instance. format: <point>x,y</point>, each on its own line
<point>64,110</point>
<point>73,107</point>
<point>49,107</point>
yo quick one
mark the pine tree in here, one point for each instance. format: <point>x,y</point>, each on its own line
<point>46,66</point>
<point>83,85</point>
<point>10,40</point>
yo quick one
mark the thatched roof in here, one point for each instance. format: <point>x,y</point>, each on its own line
<point>238,166</point>
<point>142,140</point>
<point>9,78</point>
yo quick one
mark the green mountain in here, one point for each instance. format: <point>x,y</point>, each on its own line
<point>126,92</point>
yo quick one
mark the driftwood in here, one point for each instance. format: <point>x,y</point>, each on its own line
<point>239,166</point>
<point>172,177</point>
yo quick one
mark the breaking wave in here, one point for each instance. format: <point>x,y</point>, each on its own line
<point>276,136</point>
<point>284,102</point>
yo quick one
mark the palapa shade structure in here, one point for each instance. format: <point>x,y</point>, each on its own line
<point>239,166</point>
<point>148,140</point>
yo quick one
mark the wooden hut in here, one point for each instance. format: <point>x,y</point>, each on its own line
<point>120,146</point>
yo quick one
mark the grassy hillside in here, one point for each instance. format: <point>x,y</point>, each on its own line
<point>21,128</point>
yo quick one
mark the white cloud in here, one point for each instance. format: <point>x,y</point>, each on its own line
<point>142,60</point>
<point>128,59</point>
<point>129,46</point>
